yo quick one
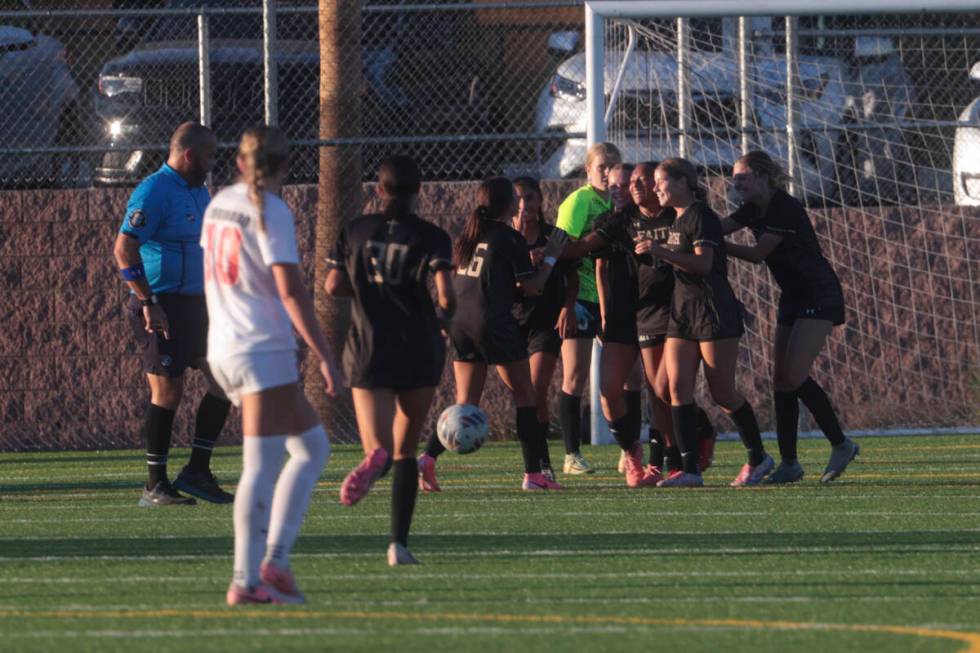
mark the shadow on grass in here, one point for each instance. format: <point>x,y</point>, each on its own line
<point>514,545</point>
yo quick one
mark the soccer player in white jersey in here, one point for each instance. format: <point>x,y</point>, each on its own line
<point>256,295</point>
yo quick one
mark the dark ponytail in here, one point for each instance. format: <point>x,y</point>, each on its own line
<point>495,198</point>
<point>401,180</point>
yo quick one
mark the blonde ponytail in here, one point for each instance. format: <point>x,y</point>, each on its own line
<point>263,153</point>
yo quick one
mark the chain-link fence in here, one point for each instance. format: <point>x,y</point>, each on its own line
<point>95,91</point>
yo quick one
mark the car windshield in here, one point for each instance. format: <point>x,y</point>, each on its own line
<point>221,26</point>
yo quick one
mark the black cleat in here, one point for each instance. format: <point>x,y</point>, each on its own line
<point>164,494</point>
<point>202,485</point>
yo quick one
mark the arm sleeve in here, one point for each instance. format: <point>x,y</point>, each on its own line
<point>441,257</point>
<point>520,257</point>
<point>573,213</point>
<point>144,212</point>
<point>278,243</point>
<point>706,229</point>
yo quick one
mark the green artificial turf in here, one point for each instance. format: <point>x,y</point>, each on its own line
<point>885,559</point>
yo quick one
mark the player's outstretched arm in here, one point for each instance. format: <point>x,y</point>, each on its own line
<point>299,307</point>
<point>552,249</point>
<point>757,253</point>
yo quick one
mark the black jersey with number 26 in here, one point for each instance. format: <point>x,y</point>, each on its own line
<point>394,340</point>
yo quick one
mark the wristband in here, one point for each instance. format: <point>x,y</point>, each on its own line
<point>550,260</point>
<point>152,300</point>
<point>133,273</point>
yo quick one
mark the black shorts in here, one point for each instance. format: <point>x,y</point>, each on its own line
<point>542,340</point>
<point>790,310</point>
<point>187,316</point>
<point>647,340</point>
<point>653,321</point>
<point>495,344</point>
<point>587,319</point>
<point>700,320</point>
<point>620,330</point>
<point>419,366</point>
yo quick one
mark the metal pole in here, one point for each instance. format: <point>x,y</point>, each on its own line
<point>269,62</point>
<point>595,83</point>
<point>683,84</point>
<point>744,91</point>
<point>204,68</point>
<point>792,102</point>
<point>614,94</point>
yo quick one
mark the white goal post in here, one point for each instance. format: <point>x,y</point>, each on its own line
<point>869,106</point>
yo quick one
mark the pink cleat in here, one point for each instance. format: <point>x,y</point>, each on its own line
<point>636,474</point>
<point>282,581</point>
<point>750,475</point>
<point>427,474</point>
<point>653,470</point>
<point>355,487</point>
<point>538,481</point>
<point>238,595</point>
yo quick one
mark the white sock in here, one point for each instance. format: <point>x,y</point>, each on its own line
<point>261,462</point>
<point>308,455</point>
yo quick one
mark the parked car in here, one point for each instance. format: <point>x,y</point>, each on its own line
<point>966,152</point>
<point>38,109</point>
<point>144,94</point>
<point>646,106</point>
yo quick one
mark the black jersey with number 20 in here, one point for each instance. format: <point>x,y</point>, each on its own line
<point>394,340</point>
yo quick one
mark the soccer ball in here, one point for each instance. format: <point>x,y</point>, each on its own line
<point>462,428</point>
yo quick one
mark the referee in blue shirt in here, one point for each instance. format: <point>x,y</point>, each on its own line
<point>160,258</point>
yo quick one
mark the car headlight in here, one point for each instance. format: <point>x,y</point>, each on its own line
<point>564,87</point>
<point>113,85</point>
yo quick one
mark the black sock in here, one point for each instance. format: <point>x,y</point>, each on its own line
<point>672,459</point>
<point>404,488</point>
<point>656,448</point>
<point>787,423</point>
<point>529,435</point>
<point>748,430</point>
<point>622,433</point>
<point>634,411</point>
<point>705,428</point>
<point>543,428</point>
<point>686,436</point>
<point>818,403</point>
<point>211,415</point>
<point>570,418</point>
<point>157,428</point>
<point>434,448</point>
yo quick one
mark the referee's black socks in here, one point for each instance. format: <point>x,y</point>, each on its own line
<point>158,425</point>
<point>685,420</point>
<point>404,488</point>
<point>748,430</point>
<point>211,415</point>
<point>570,418</point>
<point>529,435</point>
<point>818,403</point>
<point>787,423</point>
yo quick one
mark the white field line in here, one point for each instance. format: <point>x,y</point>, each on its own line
<point>549,553</point>
<point>877,574</point>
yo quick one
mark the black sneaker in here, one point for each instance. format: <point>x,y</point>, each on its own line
<point>202,485</point>
<point>163,494</point>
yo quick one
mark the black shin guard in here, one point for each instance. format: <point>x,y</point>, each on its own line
<point>434,448</point>
<point>634,412</point>
<point>404,488</point>
<point>748,430</point>
<point>211,415</point>
<point>529,436</point>
<point>570,418</point>
<point>685,435</point>
<point>818,403</point>
<point>543,428</point>
<point>656,448</point>
<point>157,429</point>
<point>787,423</point>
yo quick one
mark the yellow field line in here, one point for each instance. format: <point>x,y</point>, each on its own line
<point>972,640</point>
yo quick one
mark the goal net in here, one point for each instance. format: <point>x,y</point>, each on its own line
<point>875,117</point>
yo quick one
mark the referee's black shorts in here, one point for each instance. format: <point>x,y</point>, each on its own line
<point>187,317</point>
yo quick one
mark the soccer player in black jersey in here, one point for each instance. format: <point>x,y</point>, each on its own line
<point>547,319</point>
<point>811,304</point>
<point>395,352</point>
<point>705,324</point>
<point>492,263</point>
